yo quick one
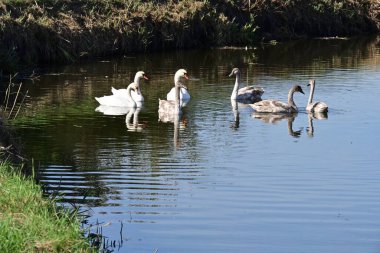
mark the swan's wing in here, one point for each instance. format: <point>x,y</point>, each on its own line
<point>272,106</point>
<point>113,90</point>
<point>250,89</point>
<point>183,95</point>
<point>317,107</point>
<point>170,95</point>
<point>123,94</point>
<point>113,101</point>
<point>250,93</point>
<point>119,92</point>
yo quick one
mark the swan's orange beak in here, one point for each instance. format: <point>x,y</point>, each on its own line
<point>145,77</point>
<point>186,76</point>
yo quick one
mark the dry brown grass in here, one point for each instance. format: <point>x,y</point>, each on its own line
<point>61,31</point>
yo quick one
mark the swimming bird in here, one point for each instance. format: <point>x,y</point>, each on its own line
<point>316,106</point>
<point>167,108</point>
<point>136,97</point>
<point>124,100</point>
<point>247,94</point>
<point>274,106</point>
<point>184,93</point>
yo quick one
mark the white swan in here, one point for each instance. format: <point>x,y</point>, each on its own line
<point>117,100</point>
<point>316,106</point>
<point>137,97</point>
<point>184,93</point>
<point>168,108</point>
<point>245,94</point>
<point>274,106</point>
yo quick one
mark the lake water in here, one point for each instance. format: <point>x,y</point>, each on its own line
<point>217,182</point>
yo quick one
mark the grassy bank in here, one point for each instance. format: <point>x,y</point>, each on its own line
<point>53,31</point>
<point>31,223</point>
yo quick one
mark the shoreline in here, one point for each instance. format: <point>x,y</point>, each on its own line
<point>51,31</point>
<point>33,223</point>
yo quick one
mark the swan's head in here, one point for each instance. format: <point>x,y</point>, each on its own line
<point>181,73</point>
<point>141,75</point>
<point>298,88</point>
<point>235,71</point>
<point>311,83</point>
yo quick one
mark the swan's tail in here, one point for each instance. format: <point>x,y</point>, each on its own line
<point>112,101</point>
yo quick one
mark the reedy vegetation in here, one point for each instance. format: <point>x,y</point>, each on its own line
<point>35,31</point>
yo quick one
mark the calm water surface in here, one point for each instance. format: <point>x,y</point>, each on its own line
<point>228,181</point>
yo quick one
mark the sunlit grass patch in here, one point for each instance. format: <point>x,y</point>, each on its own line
<point>30,222</point>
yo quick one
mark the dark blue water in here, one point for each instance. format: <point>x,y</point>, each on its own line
<point>213,183</point>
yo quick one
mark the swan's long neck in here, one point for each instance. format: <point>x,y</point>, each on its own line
<point>177,90</point>
<point>290,98</point>
<point>137,80</point>
<point>129,96</point>
<point>236,87</point>
<point>311,95</point>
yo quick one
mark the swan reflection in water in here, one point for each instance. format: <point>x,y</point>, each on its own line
<point>235,110</point>
<point>179,121</point>
<point>131,118</point>
<point>273,118</point>
<point>311,117</point>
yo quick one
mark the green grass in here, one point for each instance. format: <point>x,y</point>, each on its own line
<point>30,222</point>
